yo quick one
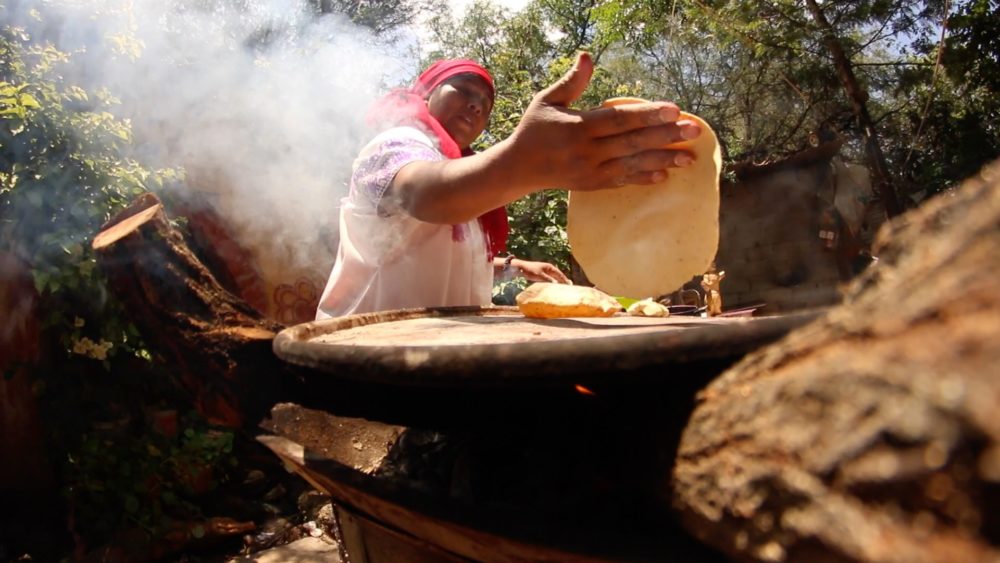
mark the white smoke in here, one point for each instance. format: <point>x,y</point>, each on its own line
<point>259,100</point>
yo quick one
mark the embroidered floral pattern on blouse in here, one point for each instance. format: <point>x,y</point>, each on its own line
<point>374,173</point>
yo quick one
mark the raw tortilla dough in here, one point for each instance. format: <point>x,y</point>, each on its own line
<point>647,308</point>
<point>646,241</point>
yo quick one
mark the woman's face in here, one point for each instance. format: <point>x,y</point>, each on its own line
<point>462,104</point>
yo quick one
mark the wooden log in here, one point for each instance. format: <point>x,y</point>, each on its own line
<point>565,482</point>
<point>872,434</point>
<point>343,456</point>
<point>219,345</point>
<point>25,474</point>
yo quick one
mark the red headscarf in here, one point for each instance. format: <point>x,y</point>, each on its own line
<point>408,105</point>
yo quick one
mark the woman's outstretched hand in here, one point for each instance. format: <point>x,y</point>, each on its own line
<point>553,146</point>
<point>557,147</point>
<point>540,271</point>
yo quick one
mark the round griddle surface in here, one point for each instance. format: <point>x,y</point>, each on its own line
<point>497,346</point>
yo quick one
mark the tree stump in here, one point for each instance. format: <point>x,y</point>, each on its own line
<point>219,344</point>
<point>25,473</point>
<point>872,434</point>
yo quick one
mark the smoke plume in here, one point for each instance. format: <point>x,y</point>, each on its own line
<point>262,102</point>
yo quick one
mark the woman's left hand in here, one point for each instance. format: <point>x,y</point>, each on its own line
<point>540,272</point>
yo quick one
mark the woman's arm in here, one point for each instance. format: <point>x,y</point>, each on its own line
<point>532,271</point>
<point>552,147</point>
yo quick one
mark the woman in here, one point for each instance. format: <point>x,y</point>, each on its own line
<point>424,225</point>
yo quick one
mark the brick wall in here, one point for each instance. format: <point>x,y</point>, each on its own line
<point>769,241</point>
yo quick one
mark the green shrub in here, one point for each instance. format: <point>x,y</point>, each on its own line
<point>63,174</point>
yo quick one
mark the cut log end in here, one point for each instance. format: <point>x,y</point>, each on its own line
<point>122,229</point>
<point>246,333</point>
<point>216,344</point>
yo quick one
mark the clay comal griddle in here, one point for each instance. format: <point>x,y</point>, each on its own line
<point>476,433</point>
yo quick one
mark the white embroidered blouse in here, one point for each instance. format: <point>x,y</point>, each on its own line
<point>390,260</point>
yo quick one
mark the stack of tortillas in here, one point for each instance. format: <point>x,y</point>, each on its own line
<point>646,241</point>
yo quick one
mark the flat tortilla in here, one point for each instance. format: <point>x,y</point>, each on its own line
<point>647,241</point>
<point>544,300</point>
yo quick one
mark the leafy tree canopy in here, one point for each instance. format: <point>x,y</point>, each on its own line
<point>762,73</point>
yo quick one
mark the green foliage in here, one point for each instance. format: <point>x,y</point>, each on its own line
<point>972,51</point>
<point>572,21</point>
<point>122,477</point>
<point>538,228</point>
<point>626,302</point>
<point>61,178</point>
<point>787,89</point>
<point>760,73</point>
<point>62,175</point>
<point>381,17</point>
<point>505,292</point>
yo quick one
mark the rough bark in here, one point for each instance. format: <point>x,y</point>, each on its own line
<point>25,472</point>
<point>220,346</point>
<point>872,434</point>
